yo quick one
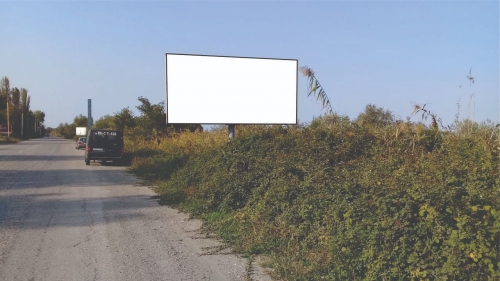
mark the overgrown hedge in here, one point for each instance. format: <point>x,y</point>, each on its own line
<point>7,140</point>
<point>337,201</point>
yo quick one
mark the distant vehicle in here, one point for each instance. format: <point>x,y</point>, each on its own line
<point>81,142</point>
<point>104,145</point>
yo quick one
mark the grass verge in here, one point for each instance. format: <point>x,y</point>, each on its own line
<point>7,140</point>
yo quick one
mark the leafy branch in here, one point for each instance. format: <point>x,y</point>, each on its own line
<point>315,88</point>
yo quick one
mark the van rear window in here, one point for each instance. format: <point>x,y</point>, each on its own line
<point>105,137</point>
<point>104,133</point>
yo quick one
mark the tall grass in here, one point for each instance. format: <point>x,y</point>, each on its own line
<point>155,161</point>
<point>6,140</point>
<point>342,200</point>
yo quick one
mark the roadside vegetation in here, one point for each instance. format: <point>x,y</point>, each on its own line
<point>16,111</point>
<point>149,126</point>
<point>339,199</point>
<point>373,198</point>
<point>6,140</point>
<point>68,131</point>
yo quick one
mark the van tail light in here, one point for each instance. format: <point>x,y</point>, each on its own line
<point>88,148</point>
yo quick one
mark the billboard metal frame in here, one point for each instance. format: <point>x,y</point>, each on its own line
<point>79,129</point>
<point>6,129</point>
<point>239,57</point>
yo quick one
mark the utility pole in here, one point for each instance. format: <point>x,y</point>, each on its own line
<point>22,125</point>
<point>90,121</point>
<point>8,119</point>
<point>28,124</point>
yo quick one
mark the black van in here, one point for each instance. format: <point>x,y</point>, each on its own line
<point>104,145</point>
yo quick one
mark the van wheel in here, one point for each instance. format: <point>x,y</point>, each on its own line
<point>87,161</point>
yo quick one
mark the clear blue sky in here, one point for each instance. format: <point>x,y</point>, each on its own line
<point>390,53</point>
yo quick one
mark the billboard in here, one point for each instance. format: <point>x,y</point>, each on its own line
<point>3,129</point>
<point>204,89</point>
<point>81,131</point>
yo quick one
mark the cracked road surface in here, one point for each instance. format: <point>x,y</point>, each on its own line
<point>63,220</point>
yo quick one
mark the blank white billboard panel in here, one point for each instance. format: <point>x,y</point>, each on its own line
<point>230,90</point>
<point>81,131</point>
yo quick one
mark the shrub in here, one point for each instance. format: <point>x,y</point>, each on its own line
<point>339,201</point>
<point>6,140</point>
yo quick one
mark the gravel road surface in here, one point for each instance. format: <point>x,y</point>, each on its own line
<point>63,220</point>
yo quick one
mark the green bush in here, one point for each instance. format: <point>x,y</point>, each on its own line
<point>6,140</point>
<point>339,201</point>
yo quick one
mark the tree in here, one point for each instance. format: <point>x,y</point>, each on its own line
<point>39,115</point>
<point>105,122</point>
<point>25,99</point>
<point>3,98</point>
<point>25,108</point>
<point>152,123</point>
<point>374,116</point>
<point>16,98</point>
<point>6,92</point>
<point>15,112</point>
<point>124,119</point>
<point>80,121</point>
<point>39,119</point>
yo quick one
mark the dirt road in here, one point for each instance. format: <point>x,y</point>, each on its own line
<point>63,220</point>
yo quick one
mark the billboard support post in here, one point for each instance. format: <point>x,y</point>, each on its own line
<point>8,119</point>
<point>231,131</point>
